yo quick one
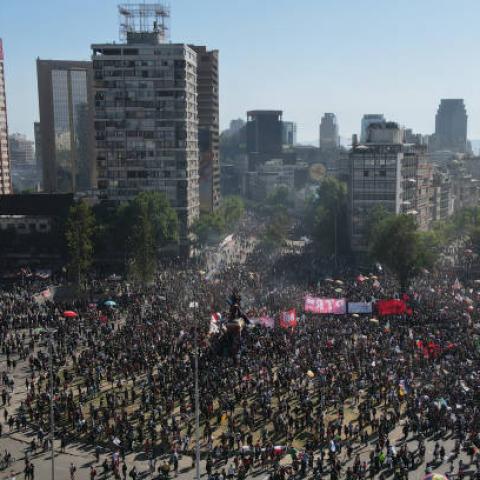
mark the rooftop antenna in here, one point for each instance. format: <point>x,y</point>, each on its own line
<point>144,18</point>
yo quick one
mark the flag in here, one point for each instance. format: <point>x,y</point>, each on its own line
<point>391,307</point>
<point>263,321</point>
<point>337,306</point>
<point>456,284</point>
<point>215,323</point>
<point>288,319</point>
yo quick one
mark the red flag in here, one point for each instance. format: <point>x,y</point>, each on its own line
<point>391,307</point>
<point>288,319</point>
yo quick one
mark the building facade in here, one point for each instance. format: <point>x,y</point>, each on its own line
<point>66,119</point>
<point>146,122</point>
<point>450,126</point>
<point>289,133</point>
<point>264,132</point>
<point>367,120</point>
<point>23,165</point>
<point>329,138</point>
<point>22,151</point>
<point>5,175</point>
<point>388,172</point>
<point>208,128</point>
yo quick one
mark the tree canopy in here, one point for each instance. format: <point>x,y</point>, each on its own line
<point>326,217</point>
<point>79,232</point>
<point>397,243</point>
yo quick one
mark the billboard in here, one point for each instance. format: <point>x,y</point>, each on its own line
<point>336,306</point>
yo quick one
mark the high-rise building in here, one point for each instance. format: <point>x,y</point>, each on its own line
<point>236,125</point>
<point>65,104</point>
<point>208,128</point>
<point>289,133</point>
<point>386,171</point>
<point>23,166</point>
<point>367,120</point>
<point>450,126</point>
<point>329,139</point>
<point>21,150</point>
<point>264,132</point>
<point>5,178</point>
<point>146,114</point>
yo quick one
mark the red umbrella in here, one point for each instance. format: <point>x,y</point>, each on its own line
<point>70,314</point>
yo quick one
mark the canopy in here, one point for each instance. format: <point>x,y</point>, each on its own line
<point>70,314</point>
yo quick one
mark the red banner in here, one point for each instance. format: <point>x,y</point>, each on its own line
<point>391,307</point>
<point>288,319</point>
<point>336,306</point>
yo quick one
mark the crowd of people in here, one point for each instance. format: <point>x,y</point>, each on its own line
<point>336,396</point>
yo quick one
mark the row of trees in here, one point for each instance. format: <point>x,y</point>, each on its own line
<point>135,231</point>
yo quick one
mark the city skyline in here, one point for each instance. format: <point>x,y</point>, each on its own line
<point>397,67</point>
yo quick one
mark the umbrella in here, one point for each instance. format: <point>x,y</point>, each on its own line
<point>310,374</point>
<point>338,290</point>
<point>338,282</point>
<point>374,320</point>
<point>373,277</point>
<point>110,303</point>
<point>329,280</point>
<point>435,476</point>
<point>70,314</point>
<point>355,315</point>
<point>37,331</point>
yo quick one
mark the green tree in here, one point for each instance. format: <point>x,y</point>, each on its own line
<point>398,245</point>
<point>326,217</point>
<point>79,232</point>
<point>209,228</point>
<point>150,223</point>
<point>276,231</point>
<point>279,198</point>
<point>232,210</point>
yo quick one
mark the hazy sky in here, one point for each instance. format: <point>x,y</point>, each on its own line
<point>306,57</point>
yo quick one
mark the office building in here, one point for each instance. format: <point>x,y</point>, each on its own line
<point>367,120</point>
<point>329,138</point>
<point>146,115</point>
<point>236,125</point>
<point>65,105</point>
<point>21,150</point>
<point>289,134</point>
<point>22,160</point>
<point>208,128</point>
<point>5,176</point>
<point>264,132</point>
<point>386,171</point>
<point>450,126</point>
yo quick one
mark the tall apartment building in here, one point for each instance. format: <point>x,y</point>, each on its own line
<point>208,128</point>
<point>289,133</point>
<point>386,171</point>
<point>329,138</point>
<point>5,176</point>
<point>450,126</point>
<point>367,120</point>
<point>66,119</point>
<point>146,117</point>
